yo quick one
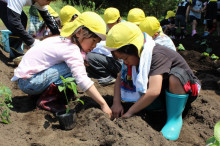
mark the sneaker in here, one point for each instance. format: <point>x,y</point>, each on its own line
<point>106,81</point>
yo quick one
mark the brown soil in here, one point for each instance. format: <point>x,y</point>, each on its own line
<point>31,126</point>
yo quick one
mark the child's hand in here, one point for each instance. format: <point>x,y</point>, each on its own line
<point>117,109</point>
<point>127,115</point>
<point>107,110</point>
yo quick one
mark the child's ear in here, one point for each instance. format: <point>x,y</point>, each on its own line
<point>79,33</point>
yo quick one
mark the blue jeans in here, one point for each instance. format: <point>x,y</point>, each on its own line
<point>42,80</point>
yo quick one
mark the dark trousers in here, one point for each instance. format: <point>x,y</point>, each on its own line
<point>15,41</point>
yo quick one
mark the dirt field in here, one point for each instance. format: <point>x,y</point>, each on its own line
<point>34,127</point>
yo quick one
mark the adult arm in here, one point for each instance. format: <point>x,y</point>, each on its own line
<point>117,108</point>
<point>49,20</point>
<point>155,86</point>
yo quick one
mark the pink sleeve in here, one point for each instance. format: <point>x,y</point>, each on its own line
<point>74,59</point>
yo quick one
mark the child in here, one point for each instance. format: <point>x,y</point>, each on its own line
<point>136,15</point>
<point>152,27</point>
<point>211,16</point>
<point>168,24</point>
<point>101,65</point>
<point>44,30</point>
<point>67,14</point>
<point>195,14</point>
<point>15,20</point>
<point>112,17</point>
<point>182,16</point>
<point>34,22</point>
<point>41,67</point>
<point>154,69</point>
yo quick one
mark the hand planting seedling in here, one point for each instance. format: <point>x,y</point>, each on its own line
<point>215,140</point>
<point>5,104</point>
<point>68,83</point>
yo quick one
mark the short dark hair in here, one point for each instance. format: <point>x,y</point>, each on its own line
<point>129,49</point>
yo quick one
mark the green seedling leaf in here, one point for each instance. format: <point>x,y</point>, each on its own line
<point>4,121</point>
<point>211,140</point>
<point>61,88</point>
<point>181,48</point>
<point>217,131</point>
<point>214,57</point>
<point>205,54</point>
<point>203,43</point>
<point>73,85</point>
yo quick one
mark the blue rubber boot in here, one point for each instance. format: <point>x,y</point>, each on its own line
<point>175,105</point>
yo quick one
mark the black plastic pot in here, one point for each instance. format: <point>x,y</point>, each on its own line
<point>66,120</point>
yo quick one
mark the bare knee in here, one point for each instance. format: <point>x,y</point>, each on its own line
<point>175,86</point>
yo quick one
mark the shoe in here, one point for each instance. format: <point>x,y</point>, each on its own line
<point>175,105</point>
<point>106,81</point>
<point>194,32</point>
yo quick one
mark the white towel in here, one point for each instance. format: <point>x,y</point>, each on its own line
<point>140,78</point>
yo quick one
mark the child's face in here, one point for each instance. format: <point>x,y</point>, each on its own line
<point>128,59</point>
<point>88,44</point>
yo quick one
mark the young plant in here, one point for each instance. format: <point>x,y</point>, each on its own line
<point>68,83</point>
<point>181,48</point>
<point>5,104</point>
<point>215,140</point>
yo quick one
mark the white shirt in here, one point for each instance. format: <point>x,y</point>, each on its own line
<point>17,5</point>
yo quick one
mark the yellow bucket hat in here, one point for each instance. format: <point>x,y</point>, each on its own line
<point>66,14</point>
<point>123,34</point>
<point>111,15</point>
<point>170,14</point>
<point>91,20</point>
<point>51,11</point>
<point>150,25</point>
<point>135,15</point>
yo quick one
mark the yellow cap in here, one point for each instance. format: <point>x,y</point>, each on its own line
<point>170,14</point>
<point>136,15</point>
<point>123,34</point>
<point>91,20</point>
<point>66,14</point>
<point>111,15</point>
<point>51,11</point>
<point>150,25</point>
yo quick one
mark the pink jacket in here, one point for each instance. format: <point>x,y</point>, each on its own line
<point>51,51</point>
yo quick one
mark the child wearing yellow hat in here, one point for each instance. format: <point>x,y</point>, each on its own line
<point>152,27</point>
<point>101,65</point>
<point>136,15</point>
<point>67,14</point>
<point>154,69</point>
<point>168,24</point>
<point>112,17</point>
<point>41,67</point>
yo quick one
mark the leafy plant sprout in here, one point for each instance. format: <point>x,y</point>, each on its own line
<point>5,104</point>
<point>69,83</point>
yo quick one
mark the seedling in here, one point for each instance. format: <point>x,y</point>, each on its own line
<point>69,83</point>
<point>205,54</point>
<point>214,57</point>
<point>5,104</point>
<point>215,140</point>
<point>181,48</point>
